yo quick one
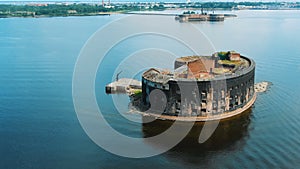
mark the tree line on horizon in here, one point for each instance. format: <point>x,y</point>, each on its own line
<point>93,9</point>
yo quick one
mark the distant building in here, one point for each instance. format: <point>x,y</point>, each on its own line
<point>234,56</point>
<point>72,11</point>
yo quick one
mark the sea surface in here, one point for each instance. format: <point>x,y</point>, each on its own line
<point>39,126</point>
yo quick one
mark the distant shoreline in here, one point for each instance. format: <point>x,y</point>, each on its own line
<point>125,13</point>
<point>48,16</point>
<point>42,10</point>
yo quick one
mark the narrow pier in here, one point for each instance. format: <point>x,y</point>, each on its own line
<point>151,13</point>
<point>124,85</point>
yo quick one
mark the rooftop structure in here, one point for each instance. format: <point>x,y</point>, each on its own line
<point>201,68</point>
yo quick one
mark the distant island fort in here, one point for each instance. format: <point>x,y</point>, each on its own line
<point>203,16</point>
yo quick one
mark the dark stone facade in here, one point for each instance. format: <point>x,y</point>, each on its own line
<point>184,97</point>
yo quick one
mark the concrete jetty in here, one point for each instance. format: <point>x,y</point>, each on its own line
<point>124,85</point>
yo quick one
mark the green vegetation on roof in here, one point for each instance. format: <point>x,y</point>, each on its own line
<point>220,70</point>
<point>223,55</point>
<point>230,62</point>
<point>137,92</point>
<point>192,58</point>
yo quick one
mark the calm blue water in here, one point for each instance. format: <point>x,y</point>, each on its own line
<point>39,127</point>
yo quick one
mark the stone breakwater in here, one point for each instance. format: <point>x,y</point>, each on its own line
<point>262,86</point>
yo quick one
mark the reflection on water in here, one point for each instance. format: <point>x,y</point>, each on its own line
<point>39,128</point>
<point>227,134</point>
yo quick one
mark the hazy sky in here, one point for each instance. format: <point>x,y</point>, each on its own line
<point>152,0</point>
